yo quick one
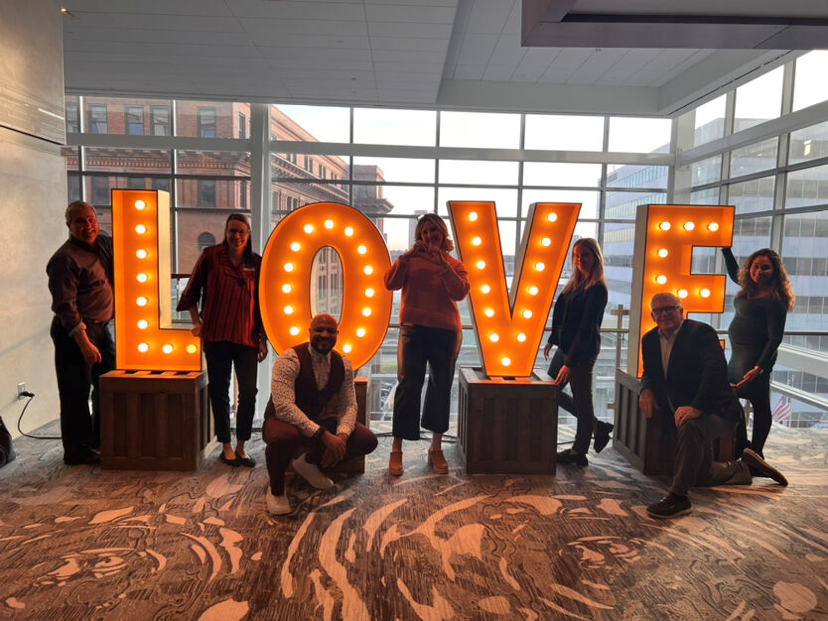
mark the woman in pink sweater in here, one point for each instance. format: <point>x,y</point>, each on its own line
<point>432,283</point>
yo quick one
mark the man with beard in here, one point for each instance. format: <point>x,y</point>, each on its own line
<point>313,405</point>
<point>80,280</point>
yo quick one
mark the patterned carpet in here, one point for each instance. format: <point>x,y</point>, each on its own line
<point>82,543</point>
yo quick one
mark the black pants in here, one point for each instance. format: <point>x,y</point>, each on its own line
<point>418,346</point>
<point>758,393</point>
<point>78,428</point>
<point>220,356</point>
<point>580,403</point>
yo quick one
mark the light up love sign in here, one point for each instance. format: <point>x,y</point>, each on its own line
<point>665,238</point>
<point>509,325</point>
<point>144,336</point>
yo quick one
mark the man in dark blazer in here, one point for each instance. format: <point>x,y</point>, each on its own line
<point>685,377</point>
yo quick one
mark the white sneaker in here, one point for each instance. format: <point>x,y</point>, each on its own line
<point>277,505</point>
<point>311,473</point>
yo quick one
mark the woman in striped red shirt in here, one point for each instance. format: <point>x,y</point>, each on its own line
<point>226,281</point>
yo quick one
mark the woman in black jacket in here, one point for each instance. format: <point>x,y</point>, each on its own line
<point>576,323</point>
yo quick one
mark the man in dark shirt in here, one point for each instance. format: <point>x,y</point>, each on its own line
<point>80,280</point>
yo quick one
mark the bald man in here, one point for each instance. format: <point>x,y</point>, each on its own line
<point>685,378</point>
<point>313,406</point>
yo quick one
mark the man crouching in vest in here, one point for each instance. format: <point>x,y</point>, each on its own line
<point>312,405</point>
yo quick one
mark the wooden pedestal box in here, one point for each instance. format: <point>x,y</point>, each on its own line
<point>649,444</point>
<point>508,426</point>
<point>155,420</point>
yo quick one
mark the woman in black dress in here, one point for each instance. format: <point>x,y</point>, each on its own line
<point>576,323</point>
<point>755,333</point>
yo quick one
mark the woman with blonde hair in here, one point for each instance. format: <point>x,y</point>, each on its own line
<point>576,323</point>
<point>432,283</point>
<point>755,333</point>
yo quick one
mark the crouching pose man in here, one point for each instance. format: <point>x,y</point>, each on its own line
<point>312,405</point>
<point>685,377</point>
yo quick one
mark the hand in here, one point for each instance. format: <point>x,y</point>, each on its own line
<point>262,350</point>
<point>563,376</point>
<point>91,354</point>
<point>647,402</point>
<point>685,413</point>
<point>750,376</point>
<point>418,248</point>
<point>196,329</point>
<point>334,449</point>
<point>546,351</point>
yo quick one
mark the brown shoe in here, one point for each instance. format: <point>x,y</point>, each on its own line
<point>395,463</point>
<point>437,461</point>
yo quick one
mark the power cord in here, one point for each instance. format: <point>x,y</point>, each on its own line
<point>30,395</point>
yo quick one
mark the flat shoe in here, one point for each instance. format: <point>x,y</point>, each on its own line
<point>437,460</point>
<point>244,461</point>
<point>230,462</point>
<point>603,432</point>
<point>568,457</point>
<point>395,463</point>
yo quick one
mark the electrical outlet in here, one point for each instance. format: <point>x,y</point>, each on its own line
<point>21,388</point>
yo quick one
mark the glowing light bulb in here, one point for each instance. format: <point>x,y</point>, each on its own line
<point>349,231</point>
<point>552,217</point>
<point>347,348</point>
<point>167,348</point>
<point>494,337</point>
<point>705,293</point>
<point>546,242</point>
<point>476,241</point>
<point>540,266</point>
<point>141,253</point>
<point>661,279</point>
<point>663,252</point>
<point>362,249</point>
<point>191,349</point>
<point>489,312</point>
<point>368,270</point>
<point>143,347</point>
<point>141,277</point>
<point>683,293</point>
<point>481,264</point>
<point>296,246</point>
<point>140,229</point>
<point>485,288</point>
<point>140,205</point>
<point>527,314</point>
<point>366,312</point>
<point>294,330</point>
<point>689,226</point>
<point>141,301</point>
<point>288,309</point>
<point>664,226</point>
<point>506,361</point>
<point>308,228</point>
<point>533,290</point>
<point>143,324</point>
<point>713,226</point>
<point>286,288</point>
<point>360,332</point>
<point>288,267</point>
<point>329,224</point>
<point>369,292</point>
<point>521,337</point>
<point>473,216</point>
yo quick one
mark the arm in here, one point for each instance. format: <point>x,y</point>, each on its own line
<point>347,401</point>
<point>647,401</point>
<point>396,277</point>
<point>285,371</point>
<point>192,292</point>
<point>776,316</point>
<point>64,277</point>
<point>456,279</point>
<point>596,302</point>
<point>731,264</point>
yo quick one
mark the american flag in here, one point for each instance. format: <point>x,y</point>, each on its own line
<point>782,411</point>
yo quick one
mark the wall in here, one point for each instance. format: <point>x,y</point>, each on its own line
<point>32,201</point>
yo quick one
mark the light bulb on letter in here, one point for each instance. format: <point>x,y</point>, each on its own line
<point>521,337</point>
<point>140,205</point>
<point>663,252</point>
<point>539,266</point>
<point>472,216</point>
<point>527,314</point>
<point>329,224</point>
<point>360,332</point>
<point>481,264</point>
<point>661,279</point>
<point>288,310</point>
<point>366,312</point>
<point>296,246</point>
<point>141,253</point>
<point>476,241</point>
<point>705,293</point>
<point>143,347</point>
<point>140,229</point>
<point>552,217</point>
<point>368,270</point>
<point>506,361</point>
<point>713,226</point>
<point>533,290</point>
<point>143,324</point>
<point>494,337</point>
<point>546,242</point>
<point>369,292</point>
<point>308,228</point>
<point>141,301</point>
<point>489,312</point>
<point>191,349</point>
<point>288,267</point>
<point>664,226</point>
<point>141,277</point>
<point>294,330</point>
<point>167,348</point>
<point>349,231</point>
<point>689,226</point>
<point>485,288</point>
<point>286,288</point>
<point>682,293</point>
<point>347,348</point>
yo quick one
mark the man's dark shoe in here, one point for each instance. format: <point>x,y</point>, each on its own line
<point>669,507</point>
<point>603,432</point>
<point>83,456</point>
<point>568,457</point>
<point>760,468</point>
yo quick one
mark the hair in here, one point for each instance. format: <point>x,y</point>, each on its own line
<point>433,218</point>
<point>597,275</point>
<point>667,296</point>
<point>75,206</point>
<point>248,247</point>
<point>780,284</point>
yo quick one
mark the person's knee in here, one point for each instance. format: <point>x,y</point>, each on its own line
<point>690,431</point>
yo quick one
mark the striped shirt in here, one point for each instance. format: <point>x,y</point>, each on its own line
<point>229,297</point>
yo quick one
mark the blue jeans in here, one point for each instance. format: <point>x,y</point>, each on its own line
<point>580,403</point>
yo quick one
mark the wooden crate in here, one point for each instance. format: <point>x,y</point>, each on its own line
<point>649,444</point>
<point>155,420</point>
<point>507,426</point>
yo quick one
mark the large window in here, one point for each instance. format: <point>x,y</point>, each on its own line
<point>207,122</point>
<point>160,119</point>
<point>98,119</point>
<point>135,120</point>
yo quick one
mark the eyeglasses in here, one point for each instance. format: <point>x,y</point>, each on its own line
<point>665,309</point>
<point>239,232</point>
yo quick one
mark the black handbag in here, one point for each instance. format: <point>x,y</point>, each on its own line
<point>7,453</point>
